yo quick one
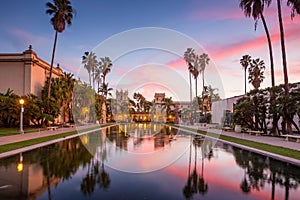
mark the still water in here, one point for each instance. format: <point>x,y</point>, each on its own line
<point>145,161</point>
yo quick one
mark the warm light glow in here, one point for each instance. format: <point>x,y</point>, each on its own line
<point>21,101</point>
<point>20,167</point>
<point>85,139</point>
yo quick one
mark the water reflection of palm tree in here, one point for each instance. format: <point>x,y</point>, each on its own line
<point>187,190</point>
<point>88,183</point>
<point>245,185</point>
<point>196,184</point>
<point>103,179</point>
<point>202,185</point>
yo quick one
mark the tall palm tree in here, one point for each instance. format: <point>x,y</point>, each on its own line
<point>89,59</point>
<point>193,61</point>
<point>62,12</point>
<point>204,61</point>
<point>256,72</point>
<point>245,62</point>
<point>283,52</point>
<point>105,64</point>
<point>255,8</point>
<point>189,59</point>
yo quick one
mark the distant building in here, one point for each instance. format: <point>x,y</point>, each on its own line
<point>24,73</point>
<point>158,114</point>
<point>121,106</point>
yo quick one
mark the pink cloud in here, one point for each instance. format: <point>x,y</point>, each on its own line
<point>218,14</point>
<point>21,34</point>
<point>177,63</point>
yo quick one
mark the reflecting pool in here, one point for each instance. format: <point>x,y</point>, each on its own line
<point>145,161</point>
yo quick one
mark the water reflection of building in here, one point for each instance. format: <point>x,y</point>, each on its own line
<point>29,183</point>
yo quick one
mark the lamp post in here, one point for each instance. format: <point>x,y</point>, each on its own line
<point>21,101</point>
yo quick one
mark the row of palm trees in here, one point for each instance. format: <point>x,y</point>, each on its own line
<point>196,65</point>
<point>255,8</point>
<point>97,70</point>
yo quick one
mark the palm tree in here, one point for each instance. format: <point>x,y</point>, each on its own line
<point>62,12</point>
<point>89,59</point>
<point>105,64</point>
<point>204,61</point>
<point>295,4</point>
<point>283,52</point>
<point>256,72</point>
<point>255,9</point>
<point>97,77</point>
<point>106,90</point>
<point>189,58</point>
<point>245,62</point>
<point>68,83</point>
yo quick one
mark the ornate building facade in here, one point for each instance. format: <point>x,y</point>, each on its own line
<point>24,73</point>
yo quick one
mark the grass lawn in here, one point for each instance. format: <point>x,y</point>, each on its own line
<point>291,153</point>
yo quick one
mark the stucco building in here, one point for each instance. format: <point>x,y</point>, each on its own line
<point>24,73</point>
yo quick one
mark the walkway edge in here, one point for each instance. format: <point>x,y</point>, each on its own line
<point>258,151</point>
<point>28,148</point>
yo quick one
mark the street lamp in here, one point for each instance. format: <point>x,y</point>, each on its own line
<point>21,101</point>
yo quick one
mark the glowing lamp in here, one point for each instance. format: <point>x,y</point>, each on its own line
<point>20,167</point>
<point>21,101</point>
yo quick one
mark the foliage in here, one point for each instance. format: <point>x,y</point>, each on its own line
<point>62,12</point>
<point>83,100</point>
<point>9,108</point>
<point>141,104</point>
<point>256,108</point>
<point>256,72</point>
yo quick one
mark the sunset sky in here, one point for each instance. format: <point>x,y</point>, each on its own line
<point>146,61</point>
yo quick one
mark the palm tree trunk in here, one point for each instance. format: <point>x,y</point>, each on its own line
<point>190,75</point>
<point>196,86</point>
<point>51,66</point>
<point>270,49</point>
<point>93,78</point>
<point>245,79</point>
<point>203,91</point>
<point>90,79</point>
<point>284,62</point>
<point>202,82</point>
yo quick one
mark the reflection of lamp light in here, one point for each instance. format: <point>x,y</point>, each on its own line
<point>20,165</point>
<point>21,101</point>
<point>85,139</point>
